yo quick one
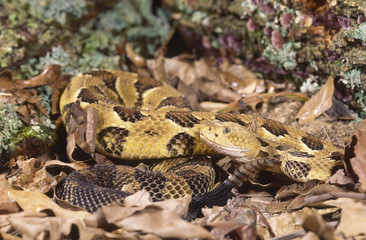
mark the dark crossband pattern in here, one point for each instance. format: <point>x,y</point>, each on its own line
<point>128,114</point>
<point>263,154</point>
<point>263,143</point>
<point>230,118</point>
<point>301,154</point>
<point>181,144</point>
<point>184,119</point>
<point>108,78</point>
<point>179,102</point>
<point>92,95</point>
<point>312,142</point>
<point>283,147</point>
<point>112,139</point>
<point>275,128</point>
<point>336,156</point>
<point>143,84</point>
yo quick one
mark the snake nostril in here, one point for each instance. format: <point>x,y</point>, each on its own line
<point>216,135</point>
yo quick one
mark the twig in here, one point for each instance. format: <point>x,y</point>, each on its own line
<point>326,196</point>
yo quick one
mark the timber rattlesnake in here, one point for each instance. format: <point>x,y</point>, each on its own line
<point>140,118</point>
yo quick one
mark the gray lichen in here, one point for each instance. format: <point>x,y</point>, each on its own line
<point>286,57</point>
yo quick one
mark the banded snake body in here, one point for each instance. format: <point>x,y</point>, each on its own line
<point>140,119</point>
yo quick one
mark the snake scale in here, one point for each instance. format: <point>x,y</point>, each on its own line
<point>140,118</point>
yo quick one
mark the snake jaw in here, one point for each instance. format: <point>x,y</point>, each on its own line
<point>226,138</point>
<point>232,152</point>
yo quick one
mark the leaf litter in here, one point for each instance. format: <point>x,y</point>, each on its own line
<point>310,210</point>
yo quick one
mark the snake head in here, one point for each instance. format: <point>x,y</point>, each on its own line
<point>230,139</point>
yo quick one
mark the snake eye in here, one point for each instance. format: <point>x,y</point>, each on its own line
<point>226,130</point>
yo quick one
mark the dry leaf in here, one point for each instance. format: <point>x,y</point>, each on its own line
<point>31,177</point>
<point>178,68</point>
<point>195,77</point>
<point>211,106</point>
<point>214,214</point>
<point>318,104</point>
<point>358,162</point>
<point>339,178</point>
<point>310,236</point>
<point>6,205</point>
<point>59,164</point>
<point>315,223</point>
<point>353,217</point>
<point>203,70</point>
<point>81,130</point>
<point>6,82</point>
<point>160,218</point>
<point>34,224</point>
<point>285,223</point>
<point>303,199</point>
<point>52,228</point>
<point>242,224</point>
<point>5,225</point>
<point>35,202</point>
<point>137,59</point>
<point>221,229</point>
<point>240,78</point>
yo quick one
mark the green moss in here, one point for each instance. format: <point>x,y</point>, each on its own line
<point>284,58</point>
<point>42,133</point>
<point>10,125</point>
<point>13,130</point>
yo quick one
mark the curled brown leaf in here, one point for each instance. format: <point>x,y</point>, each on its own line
<point>318,104</point>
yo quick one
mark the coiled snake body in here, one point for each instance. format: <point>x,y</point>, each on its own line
<point>141,118</point>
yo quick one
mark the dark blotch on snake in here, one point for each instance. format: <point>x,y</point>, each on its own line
<point>227,117</point>
<point>128,114</point>
<point>179,102</point>
<point>92,95</point>
<point>275,128</point>
<point>116,134</point>
<point>184,119</point>
<point>181,144</point>
<point>312,142</point>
